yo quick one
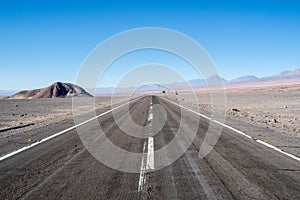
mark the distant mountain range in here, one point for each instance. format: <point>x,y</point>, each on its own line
<point>68,90</point>
<point>249,78</point>
<point>285,75</point>
<point>56,90</point>
<point>295,74</point>
<point>213,80</point>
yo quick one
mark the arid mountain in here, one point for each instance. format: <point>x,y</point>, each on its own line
<point>212,80</point>
<point>59,89</point>
<point>56,90</point>
<point>248,78</point>
<point>295,74</point>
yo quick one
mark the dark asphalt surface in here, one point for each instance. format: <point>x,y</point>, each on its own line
<point>237,167</point>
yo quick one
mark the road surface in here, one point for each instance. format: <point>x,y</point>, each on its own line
<point>236,168</point>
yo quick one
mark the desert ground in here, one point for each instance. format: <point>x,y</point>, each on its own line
<point>21,115</point>
<point>269,111</point>
<point>236,167</point>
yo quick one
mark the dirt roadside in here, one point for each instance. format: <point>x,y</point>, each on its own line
<point>270,113</point>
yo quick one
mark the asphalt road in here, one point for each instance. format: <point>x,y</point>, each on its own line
<point>236,168</point>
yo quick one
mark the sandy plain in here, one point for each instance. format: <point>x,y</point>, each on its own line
<point>266,111</point>
<point>21,115</point>
<point>269,111</point>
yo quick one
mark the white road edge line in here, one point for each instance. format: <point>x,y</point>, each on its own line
<point>237,131</point>
<point>61,132</point>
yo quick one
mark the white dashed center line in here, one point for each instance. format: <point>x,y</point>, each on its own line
<point>148,164</point>
<point>142,179</point>
<point>150,154</point>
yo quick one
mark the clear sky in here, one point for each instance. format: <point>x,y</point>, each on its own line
<point>46,41</point>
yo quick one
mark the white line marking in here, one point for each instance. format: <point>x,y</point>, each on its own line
<point>233,129</point>
<point>237,131</point>
<point>150,116</point>
<point>142,179</point>
<point>59,133</point>
<point>150,154</point>
<point>149,163</point>
<point>279,150</point>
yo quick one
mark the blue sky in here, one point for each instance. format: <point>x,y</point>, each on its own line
<point>46,41</point>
